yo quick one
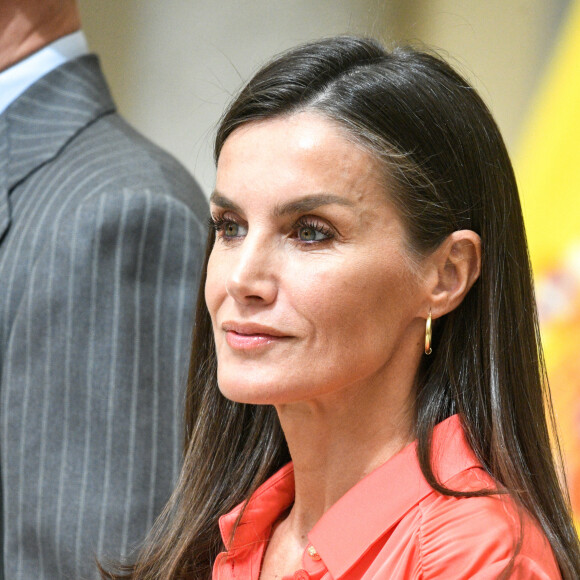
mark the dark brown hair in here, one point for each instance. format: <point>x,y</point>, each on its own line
<point>445,156</point>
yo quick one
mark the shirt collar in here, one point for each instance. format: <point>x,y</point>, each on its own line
<point>16,79</point>
<point>266,505</point>
<point>401,481</point>
<point>339,537</point>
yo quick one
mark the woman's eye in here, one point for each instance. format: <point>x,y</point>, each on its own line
<point>313,233</point>
<point>308,234</point>
<point>231,230</point>
<point>227,228</point>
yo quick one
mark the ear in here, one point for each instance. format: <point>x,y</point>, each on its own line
<point>455,266</point>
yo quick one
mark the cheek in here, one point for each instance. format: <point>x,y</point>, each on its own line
<point>362,300</point>
<point>214,284</point>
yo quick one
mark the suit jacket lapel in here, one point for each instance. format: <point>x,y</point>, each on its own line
<point>4,200</point>
<point>44,119</point>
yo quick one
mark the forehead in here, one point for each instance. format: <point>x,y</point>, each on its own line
<point>297,154</point>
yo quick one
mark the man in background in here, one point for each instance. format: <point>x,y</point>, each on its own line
<point>100,248</point>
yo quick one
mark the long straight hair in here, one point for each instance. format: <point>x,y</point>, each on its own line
<point>448,169</point>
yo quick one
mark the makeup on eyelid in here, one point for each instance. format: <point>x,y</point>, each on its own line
<point>227,228</point>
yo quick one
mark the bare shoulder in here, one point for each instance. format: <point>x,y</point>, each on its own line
<point>481,537</point>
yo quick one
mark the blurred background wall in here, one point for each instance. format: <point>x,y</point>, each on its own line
<point>174,64</point>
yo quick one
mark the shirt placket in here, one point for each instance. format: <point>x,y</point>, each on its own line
<point>313,568</point>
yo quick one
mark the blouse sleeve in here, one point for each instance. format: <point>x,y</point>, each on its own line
<point>481,538</point>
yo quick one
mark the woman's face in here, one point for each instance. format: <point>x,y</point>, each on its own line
<point>309,285</point>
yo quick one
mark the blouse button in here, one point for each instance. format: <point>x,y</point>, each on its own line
<point>313,553</point>
<point>301,575</point>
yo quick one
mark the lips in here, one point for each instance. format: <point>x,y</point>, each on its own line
<point>251,336</point>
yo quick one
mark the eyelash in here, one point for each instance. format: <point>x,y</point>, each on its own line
<point>219,222</point>
<point>306,222</point>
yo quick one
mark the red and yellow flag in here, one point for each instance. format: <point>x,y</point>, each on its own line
<point>548,170</point>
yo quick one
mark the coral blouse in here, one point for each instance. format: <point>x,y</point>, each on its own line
<point>393,525</point>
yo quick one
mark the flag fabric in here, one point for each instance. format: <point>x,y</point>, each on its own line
<point>548,170</point>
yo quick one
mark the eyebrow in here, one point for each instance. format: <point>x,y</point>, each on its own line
<point>303,204</point>
<point>221,200</point>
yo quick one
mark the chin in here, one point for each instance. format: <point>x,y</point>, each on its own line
<point>247,392</point>
<point>254,391</point>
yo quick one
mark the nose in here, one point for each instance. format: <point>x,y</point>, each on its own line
<point>253,278</point>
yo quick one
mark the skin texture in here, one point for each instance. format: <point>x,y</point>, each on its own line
<point>318,308</point>
<point>26,26</point>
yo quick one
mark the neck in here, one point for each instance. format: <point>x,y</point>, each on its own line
<point>334,443</point>
<point>27,26</point>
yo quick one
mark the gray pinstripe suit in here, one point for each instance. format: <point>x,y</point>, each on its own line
<point>100,245</point>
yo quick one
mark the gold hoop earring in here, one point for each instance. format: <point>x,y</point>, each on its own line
<point>428,349</point>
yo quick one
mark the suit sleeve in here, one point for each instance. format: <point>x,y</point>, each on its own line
<point>97,360</point>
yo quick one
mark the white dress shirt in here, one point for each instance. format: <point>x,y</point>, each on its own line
<point>16,79</point>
